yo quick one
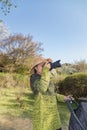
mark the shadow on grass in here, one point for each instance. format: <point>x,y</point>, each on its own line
<point>20,108</point>
<point>64,115</point>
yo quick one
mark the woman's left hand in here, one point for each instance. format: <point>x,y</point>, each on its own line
<point>69,97</point>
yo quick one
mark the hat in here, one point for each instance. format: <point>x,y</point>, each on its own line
<point>37,61</point>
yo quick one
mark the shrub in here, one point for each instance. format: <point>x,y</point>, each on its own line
<point>8,80</point>
<point>75,84</point>
<point>21,69</point>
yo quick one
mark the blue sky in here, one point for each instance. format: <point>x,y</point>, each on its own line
<point>61,25</point>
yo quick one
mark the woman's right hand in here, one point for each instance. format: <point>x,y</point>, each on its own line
<point>47,64</point>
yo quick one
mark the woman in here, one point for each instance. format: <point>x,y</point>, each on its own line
<point>45,114</point>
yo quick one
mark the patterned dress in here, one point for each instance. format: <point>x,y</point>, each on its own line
<point>45,113</point>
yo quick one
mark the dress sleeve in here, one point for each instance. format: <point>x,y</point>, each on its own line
<point>42,84</point>
<point>60,97</point>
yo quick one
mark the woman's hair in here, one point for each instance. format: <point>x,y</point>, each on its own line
<point>35,71</point>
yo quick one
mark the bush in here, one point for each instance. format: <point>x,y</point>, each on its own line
<point>8,80</point>
<point>75,84</point>
<point>21,69</point>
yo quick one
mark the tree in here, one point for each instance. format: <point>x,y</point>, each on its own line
<point>66,68</point>
<point>6,5</point>
<point>20,49</point>
<point>4,31</point>
<point>81,66</point>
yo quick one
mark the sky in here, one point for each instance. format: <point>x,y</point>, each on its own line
<point>60,25</point>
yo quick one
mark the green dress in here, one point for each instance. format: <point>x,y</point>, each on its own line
<point>45,113</point>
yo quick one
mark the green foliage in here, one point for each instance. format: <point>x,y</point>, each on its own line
<point>75,84</point>
<point>66,69</point>
<point>77,67</point>
<point>6,5</point>
<point>4,61</point>
<point>21,69</point>
<point>14,80</point>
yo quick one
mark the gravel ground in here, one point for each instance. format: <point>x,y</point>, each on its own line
<point>15,123</point>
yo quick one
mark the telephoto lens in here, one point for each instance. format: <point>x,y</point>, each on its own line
<point>55,64</point>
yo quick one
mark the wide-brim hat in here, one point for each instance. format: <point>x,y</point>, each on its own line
<point>36,62</point>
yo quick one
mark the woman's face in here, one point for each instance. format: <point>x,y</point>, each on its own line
<point>39,68</point>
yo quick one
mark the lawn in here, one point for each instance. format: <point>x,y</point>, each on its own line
<point>16,109</point>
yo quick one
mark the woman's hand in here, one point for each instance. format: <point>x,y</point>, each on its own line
<point>69,97</point>
<point>49,60</point>
<point>47,64</point>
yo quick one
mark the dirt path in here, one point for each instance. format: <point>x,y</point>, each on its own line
<point>15,123</point>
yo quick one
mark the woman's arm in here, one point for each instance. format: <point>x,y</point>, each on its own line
<point>42,84</point>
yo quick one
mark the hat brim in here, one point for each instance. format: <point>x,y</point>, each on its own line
<point>37,62</point>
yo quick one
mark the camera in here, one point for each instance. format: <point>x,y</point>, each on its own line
<point>55,64</point>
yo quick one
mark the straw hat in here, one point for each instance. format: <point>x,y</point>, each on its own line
<point>38,61</point>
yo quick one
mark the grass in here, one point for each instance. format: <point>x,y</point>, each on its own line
<point>64,115</point>
<point>16,104</point>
